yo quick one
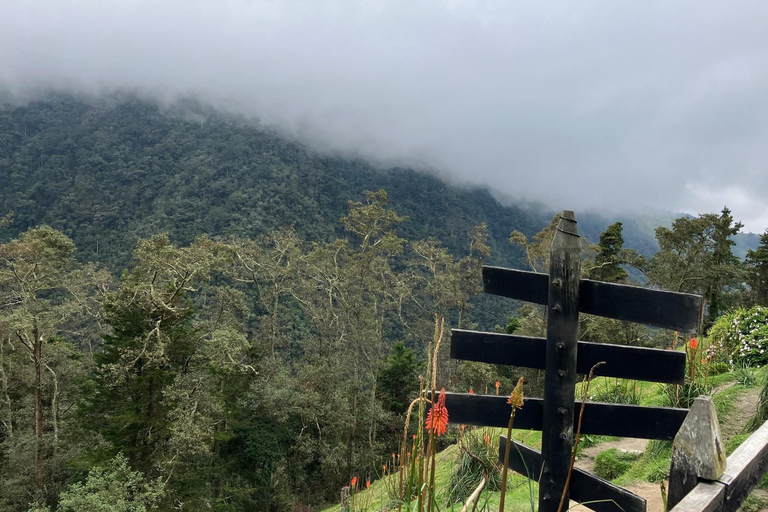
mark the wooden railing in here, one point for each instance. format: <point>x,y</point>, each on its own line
<point>743,471</point>
<point>563,357</point>
<point>701,480</point>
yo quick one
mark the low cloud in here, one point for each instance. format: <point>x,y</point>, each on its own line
<point>608,105</point>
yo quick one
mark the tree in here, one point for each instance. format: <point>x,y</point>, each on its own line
<point>44,296</point>
<point>399,377</point>
<point>725,270</point>
<point>757,271</point>
<point>609,256</point>
<point>157,390</point>
<point>113,488</point>
<point>695,256</point>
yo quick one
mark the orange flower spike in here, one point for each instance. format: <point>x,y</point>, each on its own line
<point>437,417</point>
<point>487,439</point>
<point>353,483</point>
<point>694,343</point>
<point>498,385</point>
<point>471,391</point>
<point>516,398</point>
<point>367,484</point>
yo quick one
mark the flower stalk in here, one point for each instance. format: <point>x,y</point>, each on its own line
<point>516,401</point>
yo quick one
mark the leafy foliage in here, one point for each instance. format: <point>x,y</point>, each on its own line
<point>114,488</point>
<point>742,336</point>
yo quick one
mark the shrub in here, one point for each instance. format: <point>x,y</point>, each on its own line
<point>468,472</point>
<point>742,336</point>
<point>683,395</point>
<point>613,463</point>
<point>617,392</point>
<point>745,376</point>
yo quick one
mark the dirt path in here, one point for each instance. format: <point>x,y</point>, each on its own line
<point>586,460</point>
<point>744,407</point>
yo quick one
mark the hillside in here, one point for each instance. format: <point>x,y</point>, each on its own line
<point>108,173</point>
<point>644,466</point>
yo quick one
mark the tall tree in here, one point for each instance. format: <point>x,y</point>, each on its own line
<point>757,271</point>
<point>695,256</point>
<point>43,298</point>
<point>176,341</point>
<point>725,271</point>
<point>609,257</point>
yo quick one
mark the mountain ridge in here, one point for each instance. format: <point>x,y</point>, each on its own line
<point>109,171</point>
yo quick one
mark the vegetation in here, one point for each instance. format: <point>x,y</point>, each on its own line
<point>613,463</point>
<point>194,316</point>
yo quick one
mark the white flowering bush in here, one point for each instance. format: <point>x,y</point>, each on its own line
<point>742,336</point>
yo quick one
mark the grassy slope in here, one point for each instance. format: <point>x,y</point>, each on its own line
<point>653,465</point>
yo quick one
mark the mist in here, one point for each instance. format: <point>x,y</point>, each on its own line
<point>610,106</point>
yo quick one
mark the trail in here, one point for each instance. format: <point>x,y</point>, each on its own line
<point>744,407</point>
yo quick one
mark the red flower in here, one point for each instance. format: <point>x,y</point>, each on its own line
<point>498,385</point>
<point>471,391</point>
<point>694,343</point>
<point>437,417</point>
<point>353,482</point>
<point>487,439</point>
<point>367,484</point>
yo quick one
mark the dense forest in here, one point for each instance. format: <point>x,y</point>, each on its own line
<point>197,314</point>
<point>109,171</point>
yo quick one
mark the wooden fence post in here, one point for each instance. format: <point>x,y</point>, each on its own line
<point>697,451</point>
<point>560,367</point>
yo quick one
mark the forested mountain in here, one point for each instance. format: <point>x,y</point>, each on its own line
<point>264,351</point>
<point>110,172</point>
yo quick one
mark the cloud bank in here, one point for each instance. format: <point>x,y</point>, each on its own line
<point>599,105</point>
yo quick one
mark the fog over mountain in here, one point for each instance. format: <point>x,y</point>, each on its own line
<point>603,105</point>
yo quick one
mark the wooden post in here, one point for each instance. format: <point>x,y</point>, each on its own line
<point>560,366</point>
<point>697,452</point>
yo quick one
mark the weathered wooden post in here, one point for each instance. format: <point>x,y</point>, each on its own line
<point>697,452</point>
<point>562,356</point>
<point>560,369</point>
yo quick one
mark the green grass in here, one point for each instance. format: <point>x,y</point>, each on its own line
<point>724,399</point>
<point>651,466</point>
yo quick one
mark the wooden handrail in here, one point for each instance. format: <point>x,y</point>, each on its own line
<point>743,471</point>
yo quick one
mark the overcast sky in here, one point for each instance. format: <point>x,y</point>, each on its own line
<point>580,104</point>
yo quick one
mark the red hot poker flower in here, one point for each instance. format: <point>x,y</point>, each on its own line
<point>694,343</point>
<point>437,417</point>
<point>353,482</point>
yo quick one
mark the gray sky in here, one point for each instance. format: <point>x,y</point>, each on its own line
<point>581,104</point>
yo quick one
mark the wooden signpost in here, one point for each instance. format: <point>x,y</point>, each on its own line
<point>563,357</point>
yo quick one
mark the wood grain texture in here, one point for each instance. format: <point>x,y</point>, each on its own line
<point>745,468</point>
<point>705,497</point>
<point>637,363</point>
<point>669,310</point>
<point>560,363</point>
<point>602,495</point>
<point>599,418</point>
